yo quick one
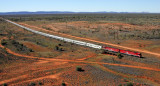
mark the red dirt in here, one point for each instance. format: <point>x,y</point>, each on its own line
<point>87,57</point>
<point>16,54</point>
<point>114,72</point>
<point>136,63</point>
<point>59,61</point>
<point>76,61</point>
<point>12,79</point>
<point>115,45</point>
<point>35,47</point>
<point>127,75</point>
<point>54,76</point>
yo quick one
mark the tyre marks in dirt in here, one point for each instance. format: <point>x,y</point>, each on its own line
<point>112,64</point>
<point>13,79</point>
<point>76,61</point>
<point>92,55</point>
<point>54,76</point>
<point>151,80</point>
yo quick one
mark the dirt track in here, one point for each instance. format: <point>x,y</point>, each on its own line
<point>63,60</point>
<point>118,46</point>
<point>55,76</point>
<point>75,61</point>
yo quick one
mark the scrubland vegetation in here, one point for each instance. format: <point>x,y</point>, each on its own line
<point>132,30</point>
<point>134,19</point>
<point>121,27</point>
<point>29,59</point>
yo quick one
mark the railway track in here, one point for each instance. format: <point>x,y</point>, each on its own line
<point>95,41</point>
<point>79,42</point>
<point>58,37</point>
<point>77,61</point>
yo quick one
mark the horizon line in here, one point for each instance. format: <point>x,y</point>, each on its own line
<point>83,11</point>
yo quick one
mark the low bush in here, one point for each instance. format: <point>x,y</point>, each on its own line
<point>40,83</point>
<point>120,85</point>
<point>4,42</point>
<point>57,48</point>
<point>61,49</point>
<point>5,84</point>
<point>59,44</point>
<point>78,68</point>
<point>129,84</point>
<point>119,56</point>
<point>63,84</point>
<point>32,84</point>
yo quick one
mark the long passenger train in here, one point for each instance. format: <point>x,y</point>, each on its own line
<point>80,42</point>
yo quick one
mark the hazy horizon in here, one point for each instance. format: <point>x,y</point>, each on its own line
<point>75,11</point>
<point>151,6</point>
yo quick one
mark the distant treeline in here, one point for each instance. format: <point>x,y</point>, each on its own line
<point>135,19</point>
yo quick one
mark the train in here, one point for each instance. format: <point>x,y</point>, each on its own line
<point>115,50</point>
<point>127,52</point>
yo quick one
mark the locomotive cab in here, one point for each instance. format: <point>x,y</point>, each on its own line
<point>140,55</point>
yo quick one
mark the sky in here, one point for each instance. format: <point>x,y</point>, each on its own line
<point>152,6</point>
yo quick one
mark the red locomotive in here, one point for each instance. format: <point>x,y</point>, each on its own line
<point>110,49</point>
<point>122,51</point>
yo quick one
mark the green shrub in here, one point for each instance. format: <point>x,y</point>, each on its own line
<point>59,44</point>
<point>32,84</point>
<point>120,85</point>
<point>40,83</point>
<point>31,50</point>
<point>4,42</point>
<point>129,84</point>
<point>61,49</point>
<point>57,48</point>
<point>119,56</point>
<point>63,84</point>
<point>78,68</point>
<point>5,84</point>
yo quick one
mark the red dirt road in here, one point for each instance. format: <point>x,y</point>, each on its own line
<point>55,76</point>
<point>75,61</point>
<point>63,60</point>
<point>115,45</point>
<point>12,79</point>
